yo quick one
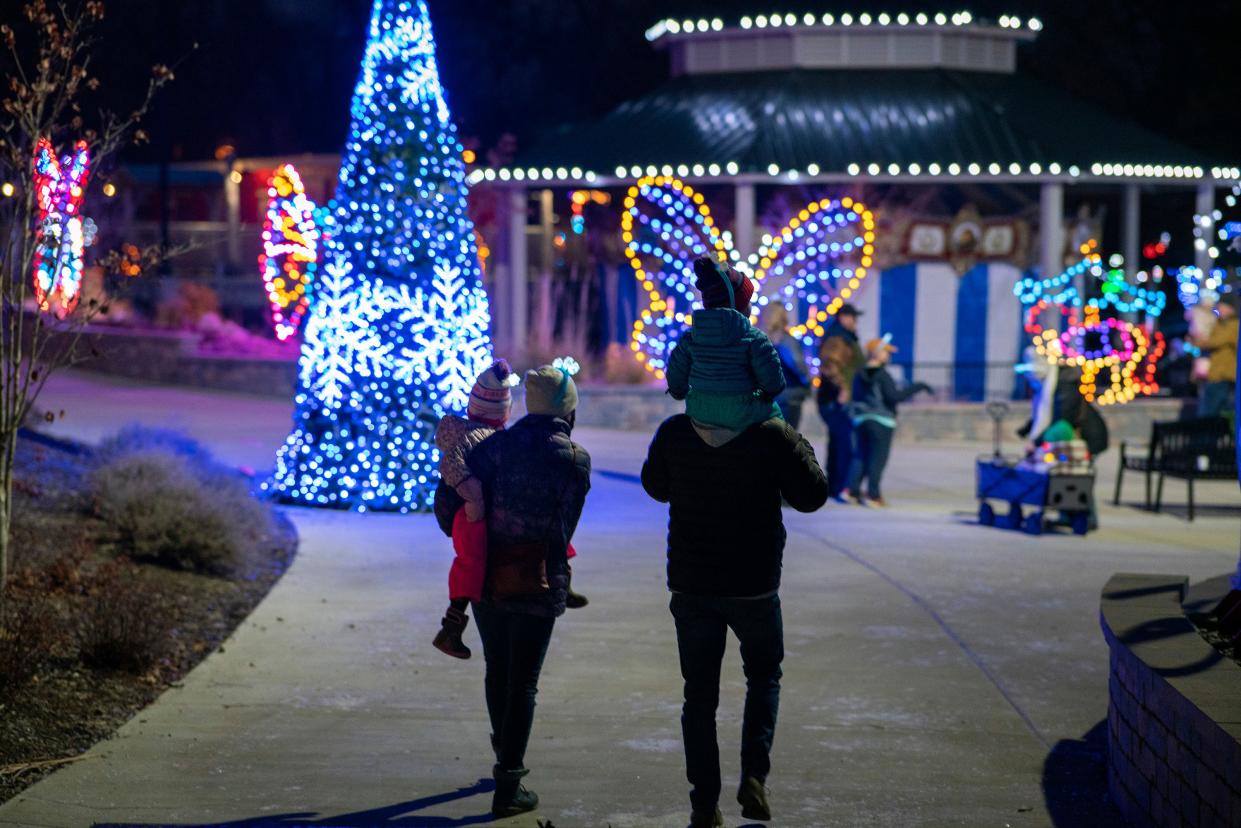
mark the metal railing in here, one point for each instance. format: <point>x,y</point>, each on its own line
<point>966,381</point>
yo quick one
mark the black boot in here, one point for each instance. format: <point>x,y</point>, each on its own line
<point>511,797</point>
<point>706,819</point>
<point>752,796</point>
<point>448,639</point>
<point>573,600</point>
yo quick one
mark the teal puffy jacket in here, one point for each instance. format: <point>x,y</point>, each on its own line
<point>727,368</point>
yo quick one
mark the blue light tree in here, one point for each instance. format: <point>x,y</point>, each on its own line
<point>399,325</point>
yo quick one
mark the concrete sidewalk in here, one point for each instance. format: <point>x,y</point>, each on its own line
<point>938,673</point>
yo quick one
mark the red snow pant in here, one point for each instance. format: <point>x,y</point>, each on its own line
<point>469,568</point>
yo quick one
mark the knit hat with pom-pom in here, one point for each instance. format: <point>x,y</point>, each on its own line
<point>492,396</point>
<point>713,279</point>
<point>550,390</point>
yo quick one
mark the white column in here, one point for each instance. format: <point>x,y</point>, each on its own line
<point>1130,228</point>
<point>499,267</point>
<point>1051,236</point>
<point>544,316</point>
<point>1051,228</point>
<point>518,275</point>
<point>1204,205</point>
<point>743,230</point>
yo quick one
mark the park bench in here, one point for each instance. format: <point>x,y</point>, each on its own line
<point>1203,448</point>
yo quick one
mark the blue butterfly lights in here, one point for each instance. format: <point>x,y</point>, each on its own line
<point>811,266</point>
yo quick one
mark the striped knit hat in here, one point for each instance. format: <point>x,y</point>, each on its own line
<point>492,398</point>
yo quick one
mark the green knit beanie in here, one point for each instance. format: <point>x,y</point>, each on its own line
<point>550,390</point>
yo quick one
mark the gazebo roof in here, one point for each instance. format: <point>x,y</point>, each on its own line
<point>820,100</point>
<point>845,122</point>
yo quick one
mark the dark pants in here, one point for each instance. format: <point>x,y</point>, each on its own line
<point>1215,399</point>
<point>839,446</point>
<point>790,403</point>
<point>514,645</point>
<point>873,446</point>
<point>702,630</point>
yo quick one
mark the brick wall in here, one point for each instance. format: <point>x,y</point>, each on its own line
<point>1174,712</point>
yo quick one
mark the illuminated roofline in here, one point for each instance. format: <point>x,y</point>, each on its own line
<point>928,173</point>
<point>1012,25</point>
<point>846,42</point>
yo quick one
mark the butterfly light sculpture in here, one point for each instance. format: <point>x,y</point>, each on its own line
<point>292,242</point>
<point>62,233</point>
<point>812,266</point>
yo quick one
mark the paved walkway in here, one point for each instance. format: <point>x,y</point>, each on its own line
<point>938,673</point>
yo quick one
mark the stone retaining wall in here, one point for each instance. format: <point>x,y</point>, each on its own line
<point>171,358</point>
<point>642,408</point>
<point>1174,715</point>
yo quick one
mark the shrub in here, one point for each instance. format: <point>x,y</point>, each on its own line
<point>135,438</point>
<point>30,628</point>
<point>620,367</point>
<point>124,624</point>
<point>170,510</point>
<point>191,302</point>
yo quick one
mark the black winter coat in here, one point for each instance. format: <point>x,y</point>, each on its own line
<point>725,527</point>
<point>535,480</point>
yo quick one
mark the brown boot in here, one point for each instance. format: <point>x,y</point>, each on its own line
<point>448,639</point>
<point>752,796</point>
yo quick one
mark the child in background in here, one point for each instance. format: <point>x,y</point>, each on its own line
<point>725,369</point>
<point>875,398</point>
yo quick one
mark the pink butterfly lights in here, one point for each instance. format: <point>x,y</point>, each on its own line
<point>62,234</point>
<point>291,246</point>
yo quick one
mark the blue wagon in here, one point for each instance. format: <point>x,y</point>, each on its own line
<point>1070,493</point>
<point>1001,479</point>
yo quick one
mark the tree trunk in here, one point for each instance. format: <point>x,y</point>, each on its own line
<point>7,456</point>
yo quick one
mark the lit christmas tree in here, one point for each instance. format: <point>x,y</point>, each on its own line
<point>398,328</point>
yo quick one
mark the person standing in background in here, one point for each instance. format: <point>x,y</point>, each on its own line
<point>875,400</point>
<point>792,361</point>
<point>1215,396</point>
<point>840,358</point>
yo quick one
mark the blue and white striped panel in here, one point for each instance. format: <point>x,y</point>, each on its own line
<point>954,326</point>
<point>866,300</point>
<point>935,321</point>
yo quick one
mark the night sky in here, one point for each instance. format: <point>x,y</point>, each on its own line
<point>275,76</point>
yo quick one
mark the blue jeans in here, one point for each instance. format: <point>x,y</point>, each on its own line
<point>874,444</point>
<point>1215,399</point>
<point>839,446</point>
<point>514,646</point>
<point>702,631</point>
